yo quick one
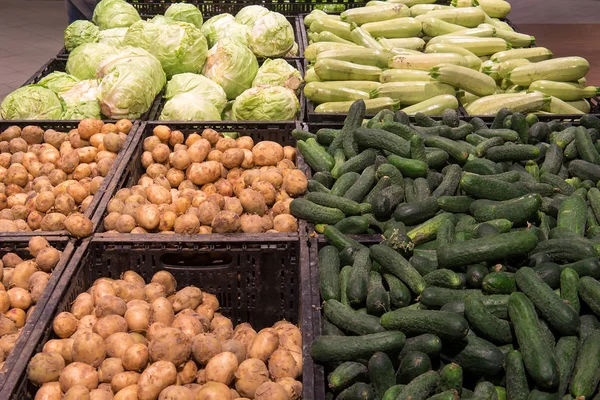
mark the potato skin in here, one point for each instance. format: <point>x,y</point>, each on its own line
<point>170,344</point>
<point>78,373</point>
<point>264,344</point>
<point>155,378</point>
<point>267,153</point>
<point>271,391</point>
<point>45,367</point>
<point>221,368</point>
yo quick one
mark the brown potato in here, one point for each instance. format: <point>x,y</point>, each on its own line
<point>204,347</point>
<point>288,334</point>
<point>282,206</point>
<point>44,201</point>
<point>226,222</point>
<point>271,391</point>
<point>19,298</point>
<point>285,223</point>
<point>47,259</point>
<point>188,324</point>
<point>127,393</point>
<point>167,280</point>
<point>232,158</point>
<point>64,325</point>
<point>223,333</point>
<point>109,368</point>
<point>251,223</point>
<point>17,316</point>
<point>78,373</point>
<point>253,202</point>
<point>117,343</point>
<point>89,348</point>
<point>199,150</point>
<point>283,365</point>
<point>123,380</point>
<point>224,188</point>
<point>236,347</point>
<point>267,153</point>
<point>109,305</point>
<point>221,368</point>
<point>187,224</point>
<point>264,344</point>
<point>148,216</point>
<point>89,127</point>
<point>205,172</point>
<point>87,322</point>
<point>162,132</point>
<point>83,305</point>
<point>245,334</point>
<point>45,367</point>
<point>214,155</point>
<point>213,391</point>
<point>176,393</point>
<point>292,387</point>
<point>289,153</point>
<point>245,142</point>
<point>170,344</point>
<point>155,378</point>
<point>295,183</point>
<point>110,324</point>
<point>162,311</point>
<point>123,125</point>
<point>49,391</point>
<point>4,302</point>
<point>78,225</point>
<point>250,374</point>
<point>53,222</point>
<point>158,194</point>
<point>186,373</point>
<point>135,357</point>
<point>188,297</point>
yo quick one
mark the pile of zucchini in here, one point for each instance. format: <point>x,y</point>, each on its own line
<point>485,284</point>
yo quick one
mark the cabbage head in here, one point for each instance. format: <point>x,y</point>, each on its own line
<point>232,66</point>
<point>131,79</point>
<point>58,82</point>
<point>84,60</point>
<point>200,85</point>
<point>31,102</point>
<point>250,14</point>
<point>185,13</point>
<point>189,107</point>
<point>112,37</point>
<point>179,46</point>
<point>293,51</point>
<point>266,103</point>
<point>271,36</point>
<point>224,26</point>
<point>80,32</point>
<point>114,14</point>
<point>278,73</point>
<point>83,110</point>
<point>80,101</point>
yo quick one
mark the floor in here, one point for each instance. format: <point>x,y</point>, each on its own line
<point>31,33</point>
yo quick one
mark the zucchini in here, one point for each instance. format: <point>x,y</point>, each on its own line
<point>330,69</point>
<point>445,325</point>
<point>475,355</point>
<point>381,373</point>
<point>347,348</point>
<point>562,69</point>
<point>349,320</point>
<point>346,375</point>
<point>434,105</point>
<point>412,365</point>
<point>329,271</point>
<point>465,78</point>
<point>517,387</point>
<point>395,264</point>
<point>586,374</point>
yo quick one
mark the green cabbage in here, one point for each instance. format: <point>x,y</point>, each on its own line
<point>293,51</point>
<point>80,32</point>
<point>266,103</point>
<point>82,110</point>
<point>271,36</point>
<point>131,79</point>
<point>278,73</point>
<point>161,19</point>
<point>58,81</point>
<point>112,37</point>
<point>114,14</point>
<point>189,107</point>
<point>84,60</point>
<point>232,66</point>
<point>250,14</point>
<point>224,26</point>
<point>185,13</point>
<point>31,102</point>
<point>179,46</point>
<point>200,85</point>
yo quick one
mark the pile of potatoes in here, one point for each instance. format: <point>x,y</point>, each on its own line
<point>209,183</point>
<point>23,282</point>
<point>128,340</point>
<point>48,178</point>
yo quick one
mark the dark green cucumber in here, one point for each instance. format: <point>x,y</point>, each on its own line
<point>482,166</point>
<point>381,373</point>
<point>538,132</point>
<point>415,213</point>
<point>517,387</point>
<point>324,178</point>
<point>399,294</point>
<point>352,122</point>
<point>417,149</point>
<point>446,395</point>
<point>485,391</point>
<point>562,317</point>
<point>348,320</point>
<point>436,158</point>
<point>476,356</point>
<point>568,288</point>
<point>450,118</point>
<point>566,355</point>
<point>318,151</point>
<point>485,187</point>
<point>378,299</point>
<point>393,392</point>
<point>300,134</point>
<point>347,348</point>
<point>357,163</point>
<point>585,146</point>
<point>485,324</point>
<point>399,241</point>
<point>395,264</point>
<point>381,184</point>
<point>428,230</point>
<point>412,365</point>
<point>422,190</point>
<point>344,276</point>
<point>408,167</point>
<point>347,206</point>
<point>327,135</point>
<point>565,137</point>
<point>339,159</point>
<point>486,249</point>
<point>426,343</point>
<point>316,186</point>
<point>586,267</point>
<point>445,325</point>
<point>594,200</point>
<point>482,147</point>
<point>390,171</point>
<point>353,225</point>
<point>312,212</point>
<point>572,214</point>
<point>587,368</point>
<point>539,362</point>
<point>455,150</point>
<point>346,375</point>
<point>420,387</point>
<point>589,291</point>
<point>344,182</point>
<point>331,329</point>
<point>359,390</point>
<point>588,324</point>
<point>358,281</point>
<point>382,140</point>
<point>557,182</point>
<point>475,275</point>
<point>436,297</point>
<point>549,272</point>
<point>451,378</point>
<point>329,271</point>
<point>455,204</point>
<point>485,229</point>
<point>507,135</point>
<point>443,278</point>
<point>552,161</point>
<point>446,233</point>
<point>476,139</point>
<point>362,186</point>
<point>519,124</point>
<point>405,131</point>
<point>386,201</point>
<point>533,169</point>
<point>339,240</point>
<point>499,283</point>
<point>566,249</point>
<point>450,183</point>
<point>518,210</point>
<point>513,152</point>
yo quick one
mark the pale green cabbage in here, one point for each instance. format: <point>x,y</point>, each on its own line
<point>266,103</point>
<point>278,73</point>
<point>31,102</point>
<point>82,110</point>
<point>185,13</point>
<point>84,60</point>
<point>200,85</point>
<point>271,36</point>
<point>80,32</point>
<point>114,14</point>
<point>131,79</point>
<point>112,37</point>
<point>293,51</point>
<point>189,107</point>
<point>161,19</point>
<point>232,66</point>
<point>250,14</point>
<point>179,46</point>
<point>58,82</point>
<point>224,26</point>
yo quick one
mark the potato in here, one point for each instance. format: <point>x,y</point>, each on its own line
<point>181,160</point>
<point>158,194</point>
<point>201,377</point>
<point>124,379</point>
<point>45,367</point>
<point>89,127</point>
<point>232,158</point>
<point>253,202</point>
<point>147,216</point>
<point>176,393</point>
<point>207,211</point>
<point>187,224</point>
<point>282,206</point>
<point>220,320</point>
<point>138,319</point>
<point>213,391</point>
<point>127,393</point>
<point>99,394</point>
<point>44,201</point>
<point>295,183</point>
<point>109,305</point>
<point>78,225</point>
<point>271,391</point>
<point>283,365</point>
<point>78,373</point>
<point>236,347</point>
<point>205,172</point>
<point>89,348</point>
<point>117,343</point>
<point>156,378</point>
<point>188,297</point>
<point>167,221</point>
<point>47,259</point>
<point>102,287</point>
<point>135,357</point>
<point>266,189</point>
<point>214,155</point>
<point>7,342</point>
<point>288,333</point>
<point>251,223</point>
<point>264,344</point>
<point>64,325</point>
<point>19,298</point>
<point>77,392</point>
<point>226,222</point>
<point>109,368</point>
<point>123,125</point>
<point>221,368</point>
<point>162,311</point>
<point>170,344</point>
<point>267,153</point>
<point>198,151</point>
<point>87,322</point>
<point>110,324</point>
<point>4,302</point>
<point>17,316</point>
<point>224,188</point>
<point>22,273</point>
<point>223,333</point>
<point>186,373</point>
<point>292,387</point>
<point>188,324</point>
<point>204,347</point>
<point>245,334</point>
<point>249,376</point>
<point>285,223</point>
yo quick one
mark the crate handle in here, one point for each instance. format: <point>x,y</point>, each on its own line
<point>208,260</point>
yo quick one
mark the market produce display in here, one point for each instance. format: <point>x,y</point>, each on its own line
<point>209,183</point>
<point>49,178</point>
<point>429,57</point>
<point>23,283</point>
<point>485,284</point>
<point>135,340</point>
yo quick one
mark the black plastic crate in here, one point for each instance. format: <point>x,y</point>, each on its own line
<point>160,103</point>
<point>259,280</point>
<point>59,63</point>
<point>115,170</point>
<point>19,246</point>
<point>131,169</point>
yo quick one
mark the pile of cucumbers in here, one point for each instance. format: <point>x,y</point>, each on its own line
<point>485,282</point>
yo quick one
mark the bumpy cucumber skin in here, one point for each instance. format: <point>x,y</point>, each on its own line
<point>348,348</point>
<point>589,291</point>
<point>586,374</point>
<point>347,374</point>
<point>329,271</point>
<point>566,356</point>
<point>412,365</point>
<point>568,288</point>
<point>395,264</point>
<point>485,323</point>
<point>476,356</point>
<point>517,387</point>
<point>381,373</point>
<point>443,324</point>
<point>349,320</point>
<point>451,378</point>
<point>420,387</point>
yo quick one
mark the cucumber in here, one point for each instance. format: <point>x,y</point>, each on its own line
<point>449,146</point>
<point>422,190</point>
<point>585,170</point>
<point>508,135</point>
<point>331,329</point>
<point>349,320</point>
<point>382,140</point>
<point>300,134</point>
<point>585,146</point>
<point>518,210</point>
<point>515,152</point>
<point>428,230</point>
<point>393,392</point>
<point>586,374</point>
<point>445,325</point>
<point>326,136</point>
<point>420,387</point>
<point>566,355</point>
<point>353,225</point>
<point>436,158</point>
<point>382,183</point>
<point>329,271</point>
<point>517,387</point>
<point>312,212</point>
<point>447,395</point>
<point>443,278</point>
<point>589,291</point>
<point>362,186</point>
<point>549,272</point>
<point>455,204</point>
<point>415,213</point>
<point>547,335</point>
<point>436,297</point>
<point>386,201</point>
<point>358,281</point>
<point>339,159</point>
<point>357,163</point>
<point>572,214</point>
<point>390,171</point>
<point>381,373</point>
<point>395,264</point>
<point>399,294</point>
<point>586,267</point>
<point>482,148</point>
<point>446,233</point>
<point>485,187</point>
<point>566,249</point>
<point>412,365</point>
<point>426,343</point>
<point>475,355</point>
<point>378,299</point>
<point>557,182</point>
<point>344,276</point>
<point>498,283</point>
<point>408,167</point>
<point>475,275</point>
<point>347,206</point>
<point>417,149</point>
<point>588,324</point>
<point>314,157</point>
<point>347,348</point>
<point>539,361</point>
<point>316,186</point>
<point>339,240</point>
<point>344,182</point>
<point>485,324</point>
<point>346,375</point>
<point>482,166</point>
<point>562,317</point>
<point>485,390</point>
<point>568,288</point>
<point>359,390</point>
<point>451,378</point>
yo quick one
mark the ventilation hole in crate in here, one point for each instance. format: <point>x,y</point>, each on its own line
<point>212,260</point>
